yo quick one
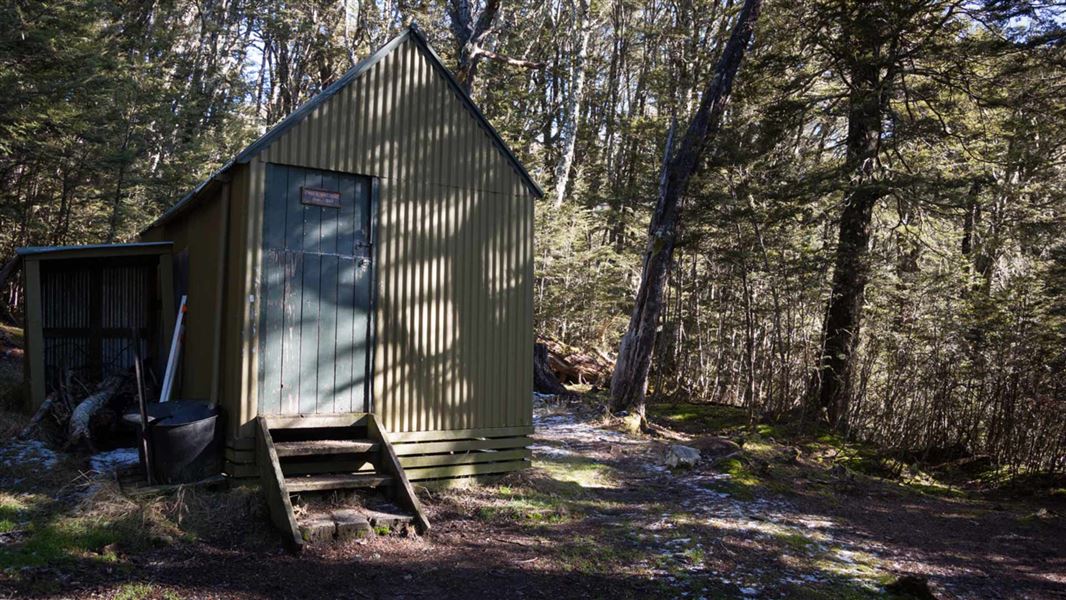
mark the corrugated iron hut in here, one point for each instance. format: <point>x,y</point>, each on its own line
<point>370,257</point>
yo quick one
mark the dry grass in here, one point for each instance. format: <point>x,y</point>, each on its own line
<point>12,386</point>
<point>88,521</point>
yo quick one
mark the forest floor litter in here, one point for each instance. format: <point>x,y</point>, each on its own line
<point>598,515</point>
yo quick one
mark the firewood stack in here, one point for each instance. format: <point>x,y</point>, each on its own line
<point>81,415</point>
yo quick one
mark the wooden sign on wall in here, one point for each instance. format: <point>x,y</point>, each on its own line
<point>320,197</point>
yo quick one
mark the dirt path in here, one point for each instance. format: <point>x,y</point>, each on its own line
<point>820,535</point>
<point>598,516</point>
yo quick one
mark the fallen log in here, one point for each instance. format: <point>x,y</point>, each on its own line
<point>31,429</point>
<point>83,413</point>
<point>572,366</point>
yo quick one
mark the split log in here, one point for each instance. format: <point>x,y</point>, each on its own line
<point>31,429</point>
<point>544,381</point>
<point>80,419</point>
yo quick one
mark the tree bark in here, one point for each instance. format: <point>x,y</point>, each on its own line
<point>470,34</point>
<point>863,45</point>
<point>630,379</point>
<point>544,381</point>
<point>78,428</point>
<point>582,32</point>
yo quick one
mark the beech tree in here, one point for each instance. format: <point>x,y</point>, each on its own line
<point>870,236</point>
<point>868,52</point>
<point>630,378</point>
<point>471,33</point>
<point>876,39</point>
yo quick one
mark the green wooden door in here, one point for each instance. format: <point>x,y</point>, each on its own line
<point>316,282</point>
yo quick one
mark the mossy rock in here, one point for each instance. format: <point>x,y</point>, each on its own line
<point>632,424</point>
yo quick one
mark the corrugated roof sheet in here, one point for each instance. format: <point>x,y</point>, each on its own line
<point>124,248</point>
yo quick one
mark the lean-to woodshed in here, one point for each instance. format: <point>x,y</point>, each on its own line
<point>372,253</point>
<point>91,309</point>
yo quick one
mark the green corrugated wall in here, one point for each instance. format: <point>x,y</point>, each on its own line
<point>454,254</point>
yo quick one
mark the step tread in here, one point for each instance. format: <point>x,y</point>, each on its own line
<point>335,481</point>
<point>314,447</point>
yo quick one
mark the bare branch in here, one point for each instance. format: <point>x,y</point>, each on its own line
<point>478,51</point>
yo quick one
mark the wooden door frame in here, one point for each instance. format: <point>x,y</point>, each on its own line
<point>372,333</point>
<point>372,245</point>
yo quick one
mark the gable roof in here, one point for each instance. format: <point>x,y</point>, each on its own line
<point>411,34</point>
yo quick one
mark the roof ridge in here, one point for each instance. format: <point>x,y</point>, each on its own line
<point>412,32</point>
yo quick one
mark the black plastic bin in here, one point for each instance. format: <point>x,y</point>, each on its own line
<point>185,437</point>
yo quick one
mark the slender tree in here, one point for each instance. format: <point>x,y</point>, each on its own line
<point>877,42</point>
<point>630,379</point>
<point>471,33</point>
<point>581,32</point>
<point>863,45</point>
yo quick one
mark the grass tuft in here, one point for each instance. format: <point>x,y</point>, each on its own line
<point>143,591</point>
<point>586,473</point>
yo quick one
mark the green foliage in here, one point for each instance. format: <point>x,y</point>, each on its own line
<point>113,109</point>
<point>62,542</point>
<point>528,506</point>
<point>13,512</point>
<point>580,288</point>
<point>106,118</point>
<point>143,591</point>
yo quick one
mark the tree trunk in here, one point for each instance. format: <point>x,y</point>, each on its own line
<point>79,426</point>
<point>582,32</point>
<point>851,266</point>
<point>544,381</point>
<point>116,201</point>
<point>630,379</point>
<point>470,34</point>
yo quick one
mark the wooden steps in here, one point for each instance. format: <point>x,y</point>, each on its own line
<point>323,447</point>
<point>345,453</point>
<point>335,481</point>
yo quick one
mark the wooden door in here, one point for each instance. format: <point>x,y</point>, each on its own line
<point>316,289</point>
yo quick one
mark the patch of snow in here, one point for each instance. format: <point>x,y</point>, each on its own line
<point>564,434</point>
<point>552,419</point>
<point>568,430</point>
<point>28,451</point>
<point>107,462</point>
<point>846,556</point>
<point>545,450</point>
